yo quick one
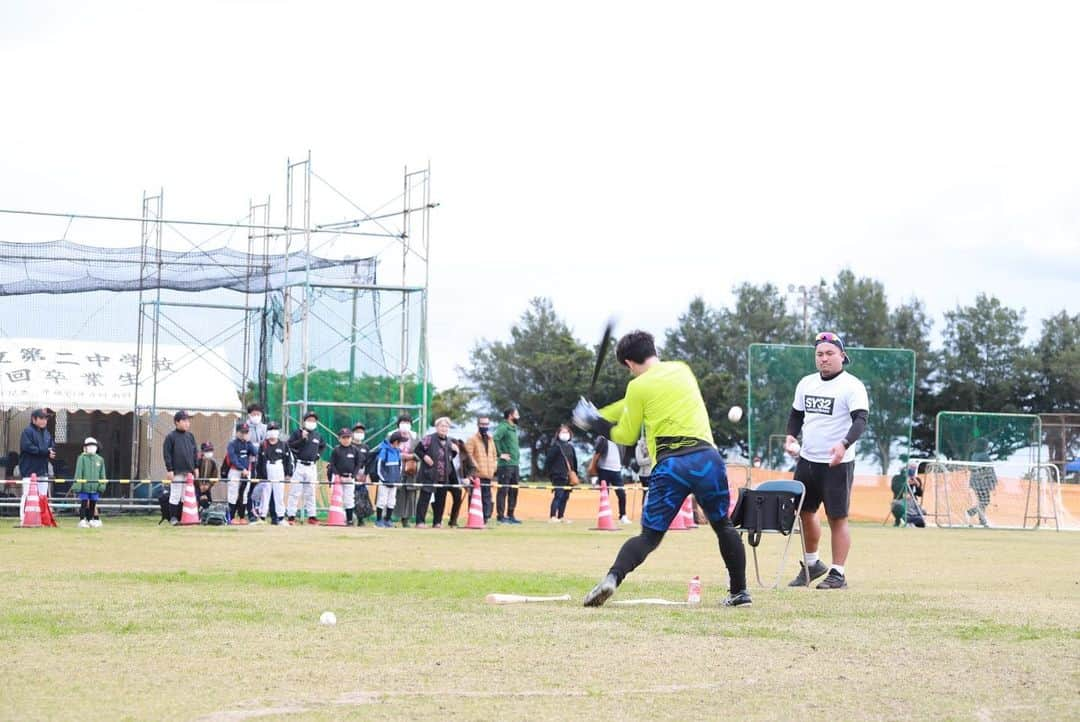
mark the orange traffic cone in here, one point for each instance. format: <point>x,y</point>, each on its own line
<point>687,513</point>
<point>189,514</point>
<point>47,518</point>
<point>32,506</point>
<point>679,522</point>
<point>476,507</point>
<point>604,522</point>
<point>336,515</point>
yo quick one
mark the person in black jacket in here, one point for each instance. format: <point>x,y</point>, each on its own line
<point>560,459</point>
<point>345,464</point>
<point>363,505</point>
<point>307,446</point>
<point>36,446</point>
<point>179,452</point>
<point>276,466</point>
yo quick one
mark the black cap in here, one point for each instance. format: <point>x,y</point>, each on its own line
<point>207,446</point>
<point>242,427</point>
<point>39,414</point>
<point>345,432</point>
<point>310,415</point>
<point>181,415</point>
<point>273,425</point>
<point>359,427</point>
<point>397,437</point>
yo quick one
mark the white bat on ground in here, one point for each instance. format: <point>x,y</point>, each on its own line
<point>522,599</point>
<point>658,602</point>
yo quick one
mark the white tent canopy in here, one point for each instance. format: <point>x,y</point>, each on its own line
<point>100,376</point>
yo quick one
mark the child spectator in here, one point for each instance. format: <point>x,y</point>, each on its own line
<point>363,500</point>
<point>242,454</point>
<point>345,464</point>
<point>387,475</point>
<point>89,482</point>
<point>207,475</point>
<point>274,465</point>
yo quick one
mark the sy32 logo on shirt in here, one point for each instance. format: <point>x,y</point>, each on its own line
<point>818,405</point>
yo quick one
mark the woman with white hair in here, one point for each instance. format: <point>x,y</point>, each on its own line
<point>436,453</point>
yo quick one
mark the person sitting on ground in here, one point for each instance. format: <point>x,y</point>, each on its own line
<point>207,476</point>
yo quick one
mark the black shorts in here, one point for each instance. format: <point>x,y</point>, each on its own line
<point>829,484</point>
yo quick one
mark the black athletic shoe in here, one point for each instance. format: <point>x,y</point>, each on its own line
<point>601,592</point>
<point>835,580</point>
<point>817,570</point>
<point>737,599</point>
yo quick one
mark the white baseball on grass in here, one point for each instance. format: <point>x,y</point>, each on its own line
<point>328,618</point>
<point>734,414</point>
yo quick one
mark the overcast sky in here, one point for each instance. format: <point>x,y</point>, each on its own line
<point>617,157</point>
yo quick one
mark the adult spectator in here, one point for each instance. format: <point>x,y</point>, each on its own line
<point>178,452</point>
<point>982,480</point>
<point>36,447</point>
<point>830,409</point>
<point>507,474</point>
<point>436,454</point>
<point>307,446</point>
<point>644,461</point>
<point>483,453</point>
<point>560,460</point>
<point>407,492</point>
<point>609,469</point>
<point>257,493</point>
<point>464,470</point>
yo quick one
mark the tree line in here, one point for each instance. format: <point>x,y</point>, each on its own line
<point>981,361</point>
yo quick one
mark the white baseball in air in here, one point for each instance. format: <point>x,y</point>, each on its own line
<point>734,414</point>
<point>328,618</point>
<point>792,448</point>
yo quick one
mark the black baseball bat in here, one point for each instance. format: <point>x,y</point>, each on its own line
<point>601,354</point>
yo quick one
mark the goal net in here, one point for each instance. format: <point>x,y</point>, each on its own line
<point>983,494</point>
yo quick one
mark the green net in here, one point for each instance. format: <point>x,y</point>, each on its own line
<point>888,374</point>
<point>986,437</point>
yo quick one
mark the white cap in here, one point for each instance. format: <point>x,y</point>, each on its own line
<point>90,440</point>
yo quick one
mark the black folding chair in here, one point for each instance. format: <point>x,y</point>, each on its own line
<point>771,508</point>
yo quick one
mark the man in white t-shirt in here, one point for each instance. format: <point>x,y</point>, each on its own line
<point>830,410</point>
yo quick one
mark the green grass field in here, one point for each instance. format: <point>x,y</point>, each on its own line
<point>137,621</point>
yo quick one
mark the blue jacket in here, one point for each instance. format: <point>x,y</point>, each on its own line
<point>241,454</point>
<point>388,468</point>
<point>34,451</point>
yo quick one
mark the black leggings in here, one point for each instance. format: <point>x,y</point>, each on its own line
<point>614,480</point>
<point>86,509</point>
<point>635,549</point>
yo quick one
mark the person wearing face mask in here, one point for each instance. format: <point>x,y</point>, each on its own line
<point>485,461</point>
<point>363,507</point>
<point>275,465</point>
<point>407,492</point>
<point>307,446</point>
<point>560,459</point>
<point>89,482</point>
<point>206,476</point>
<point>259,492</point>
<point>507,474</point>
<point>436,453</point>
<point>37,453</point>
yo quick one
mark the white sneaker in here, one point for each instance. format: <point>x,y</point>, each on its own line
<point>625,520</point>
<point>567,521</point>
<point>553,520</point>
<point>95,523</point>
<point>84,524</point>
